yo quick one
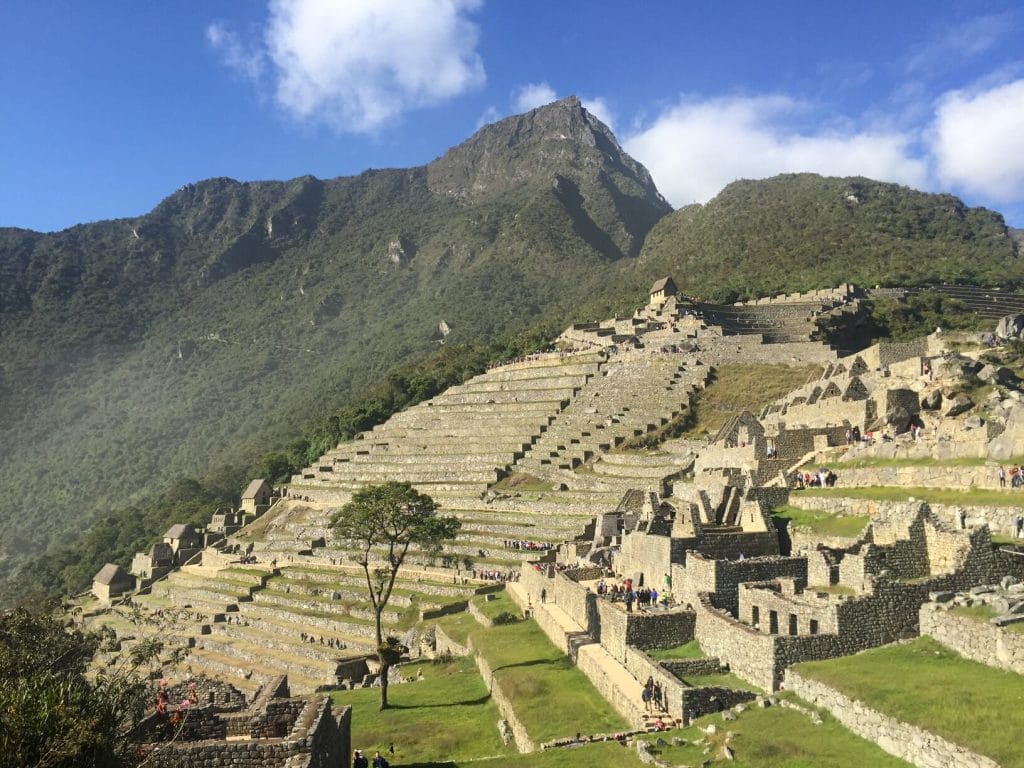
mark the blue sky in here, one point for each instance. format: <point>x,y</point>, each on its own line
<point>107,107</point>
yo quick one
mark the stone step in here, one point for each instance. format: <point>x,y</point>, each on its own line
<point>353,644</point>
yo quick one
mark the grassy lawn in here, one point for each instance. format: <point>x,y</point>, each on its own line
<point>501,603</point>
<point>541,680</point>
<point>871,461</point>
<point>690,650</point>
<point>969,497</point>
<point>928,685</point>
<point>824,523</point>
<point>453,694</point>
<point>832,589</point>
<point>537,677</point>
<point>984,613</point>
<point>724,680</point>
<point>777,738</point>
<point>736,387</point>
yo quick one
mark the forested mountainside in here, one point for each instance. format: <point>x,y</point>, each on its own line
<point>194,338</point>
<point>147,364</point>
<point>798,232</point>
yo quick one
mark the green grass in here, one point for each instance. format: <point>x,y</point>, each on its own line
<point>536,676</point>
<point>824,523</point>
<point>448,715</point>
<point>984,613</point>
<point>925,684</point>
<point>540,680</point>
<point>776,738</point>
<point>832,589</point>
<point>736,387</point>
<point>690,650</point>
<point>501,603</point>
<point>724,680</point>
<point>877,461</point>
<point>520,481</point>
<point>969,497</point>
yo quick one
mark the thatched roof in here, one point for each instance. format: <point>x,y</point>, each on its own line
<point>111,573</point>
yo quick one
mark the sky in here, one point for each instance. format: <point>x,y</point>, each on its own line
<point>109,106</point>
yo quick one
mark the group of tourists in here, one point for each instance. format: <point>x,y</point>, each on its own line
<point>359,760</point>
<point>330,642</point>
<point>642,597</point>
<point>531,546</point>
<point>492,575</point>
<point>163,702</point>
<point>823,478</point>
<point>1015,475</point>
<point>653,696</point>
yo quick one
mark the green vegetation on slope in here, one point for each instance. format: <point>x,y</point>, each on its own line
<point>207,332</point>
<point>737,387</point>
<point>798,232</point>
<point>913,682</point>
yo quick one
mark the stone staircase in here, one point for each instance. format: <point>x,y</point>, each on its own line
<point>461,440</point>
<point>635,393</point>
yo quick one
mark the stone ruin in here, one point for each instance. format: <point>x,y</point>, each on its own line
<point>274,730</point>
<point>694,518</point>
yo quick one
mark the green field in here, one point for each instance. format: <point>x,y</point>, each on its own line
<point>824,523</point>
<point>776,738</point>
<point>984,613</point>
<point>970,497</point>
<point>690,650</point>
<point>926,684</point>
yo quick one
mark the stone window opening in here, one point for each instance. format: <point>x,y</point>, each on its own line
<point>755,617</point>
<point>792,624</point>
<point>814,626</point>
<point>773,622</point>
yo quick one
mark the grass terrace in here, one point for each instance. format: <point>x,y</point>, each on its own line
<point>736,387</point>
<point>690,650</point>
<point>520,481</point>
<point>984,613</point>
<point>926,684</point>
<point>537,677</point>
<point>821,522</point>
<point>775,738</point>
<point>969,497</point>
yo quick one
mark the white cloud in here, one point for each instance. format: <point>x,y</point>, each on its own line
<point>978,141</point>
<point>963,41</point>
<point>697,147</point>
<point>245,60</point>
<point>531,96</point>
<point>599,108</point>
<point>356,65</point>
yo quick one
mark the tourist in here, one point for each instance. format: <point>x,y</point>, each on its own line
<point>630,597</point>
<point>1002,476</point>
<point>379,761</point>
<point>359,760</point>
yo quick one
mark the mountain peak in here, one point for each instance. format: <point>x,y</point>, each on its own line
<point>557,139</point>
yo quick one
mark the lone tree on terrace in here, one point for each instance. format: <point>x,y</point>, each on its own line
<point>392,517</point>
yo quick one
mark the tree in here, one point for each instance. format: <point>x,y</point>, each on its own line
<point>393,517</point>
<point>51,713</point>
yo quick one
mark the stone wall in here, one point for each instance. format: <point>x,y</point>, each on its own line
<point>749,654</point>
<point>723,577</point>
<point>974,639</point>
<point>908,742</point>
<point>317,732</point>
<point>519,734</point>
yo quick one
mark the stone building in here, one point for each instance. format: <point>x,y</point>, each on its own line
<point>275,729</point>
<point>112,581</point>
<point>257,497</point>
<point>184,540</point>
<point>155,563</point>
<point>662,290</point>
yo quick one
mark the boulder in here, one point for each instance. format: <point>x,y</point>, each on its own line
<point>1010,327</point>
<point>961,404</point>
<point>974,421</point>
<point>898,417</point>
<point>932,401</point>
<point>997,374</point>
